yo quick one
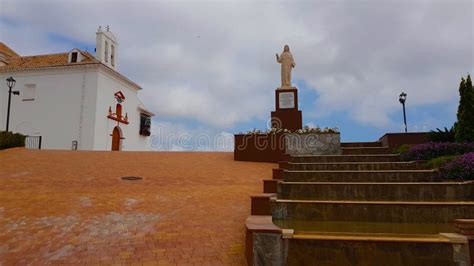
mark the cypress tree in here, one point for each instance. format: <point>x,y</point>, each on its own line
<point>464,128</point>
<point>470,110</point>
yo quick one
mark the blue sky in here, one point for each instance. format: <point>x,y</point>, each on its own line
<point>209,67</point>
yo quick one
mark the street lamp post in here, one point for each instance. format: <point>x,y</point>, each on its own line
<point>402,98</point>
<point>10,83</point>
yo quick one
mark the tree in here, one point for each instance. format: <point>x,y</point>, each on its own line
<point>464,127</point>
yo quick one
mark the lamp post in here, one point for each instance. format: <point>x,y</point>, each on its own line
<point>10,83</point>
<point>402,98</point>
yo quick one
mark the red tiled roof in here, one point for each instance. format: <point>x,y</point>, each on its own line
<point>7,50</point>
<point>19,63</point>
<point>48,60</point>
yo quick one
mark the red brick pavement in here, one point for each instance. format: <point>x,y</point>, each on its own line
<point>65,207</point>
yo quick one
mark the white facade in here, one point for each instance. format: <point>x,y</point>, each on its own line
<point>71,102</point>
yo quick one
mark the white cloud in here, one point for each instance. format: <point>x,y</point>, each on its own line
<point>213,62</point>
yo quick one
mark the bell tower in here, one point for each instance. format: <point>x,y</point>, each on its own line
<point>106,47</point>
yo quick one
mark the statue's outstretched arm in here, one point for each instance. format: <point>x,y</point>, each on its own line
<point>278,58</point>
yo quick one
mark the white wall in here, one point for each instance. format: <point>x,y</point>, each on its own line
<point>108,86</point>
<point>56,111</point>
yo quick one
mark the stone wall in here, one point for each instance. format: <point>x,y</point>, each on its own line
<point>271,147</point>
<point>313,144</point>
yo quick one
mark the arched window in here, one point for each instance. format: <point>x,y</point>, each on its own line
<point>118,111</point>
<point>112,55</point>
<point>106,51</point>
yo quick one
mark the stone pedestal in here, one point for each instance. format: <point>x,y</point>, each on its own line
<point>286,114</point>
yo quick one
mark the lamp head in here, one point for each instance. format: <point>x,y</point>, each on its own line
<point>11,82</point>
<point>402,98</point>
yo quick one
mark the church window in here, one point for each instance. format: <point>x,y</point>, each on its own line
<point>73,57</point>
<point>112,55</point>
<point>145,122</point>
<point>106,51</point>
<point>28,93</point>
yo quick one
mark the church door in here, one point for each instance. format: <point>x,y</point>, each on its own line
<point>116,139</point>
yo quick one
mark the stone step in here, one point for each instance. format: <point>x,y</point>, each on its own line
<point>283,165</point>
<point>344,158</point>
<point>366,227</point>
<point>361,176</point>
<point>365,150</point>
<point>465,227</point>
<point>323,249</point>
<point>270,185</point>
<point>389,191</point>
<point>277,173</point>
<point>330,243</point>
<point>371,211</point>
<point>361,144</point>
<point>260,204</point>
<point>357,166</point>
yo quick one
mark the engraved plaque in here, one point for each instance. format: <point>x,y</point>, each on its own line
<point>287,100</point>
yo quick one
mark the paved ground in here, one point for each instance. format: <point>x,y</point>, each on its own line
<point>72,207</point>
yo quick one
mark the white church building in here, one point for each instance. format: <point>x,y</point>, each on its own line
<point>74,100</point>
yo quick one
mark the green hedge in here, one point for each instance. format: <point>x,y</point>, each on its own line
<point>439,162</point>
<point>11,140</point>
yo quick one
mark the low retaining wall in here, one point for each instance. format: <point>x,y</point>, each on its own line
<point>273,147</point>
<point>258,147</point>
<point>395,140</point>
<point>313,144</point>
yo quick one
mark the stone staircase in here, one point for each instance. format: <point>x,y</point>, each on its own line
<point>364,207</point>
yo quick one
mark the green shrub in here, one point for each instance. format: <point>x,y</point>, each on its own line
<point>438,162</point>
<point>402,149</point>
<point>442,136</point>
<point>11,140</point>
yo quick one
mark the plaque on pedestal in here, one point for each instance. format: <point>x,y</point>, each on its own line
<point>286,98</point>
<point>287,115</point>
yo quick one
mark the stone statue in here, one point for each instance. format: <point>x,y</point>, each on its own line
<point>287,63</point>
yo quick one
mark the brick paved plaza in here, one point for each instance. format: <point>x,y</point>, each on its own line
<point>73,208</point>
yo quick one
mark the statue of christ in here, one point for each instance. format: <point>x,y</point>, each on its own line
<point>287,63</point>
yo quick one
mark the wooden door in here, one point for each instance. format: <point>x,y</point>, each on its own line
<point>116,139</point>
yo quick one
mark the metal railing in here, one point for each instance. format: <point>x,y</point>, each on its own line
<point>33,142</point>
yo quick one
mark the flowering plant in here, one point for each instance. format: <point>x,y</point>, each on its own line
<point>459,168</point>
<point>432,150</point>
<point>304,130</point>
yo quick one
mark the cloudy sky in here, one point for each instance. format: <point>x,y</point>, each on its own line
<point>208,67</point>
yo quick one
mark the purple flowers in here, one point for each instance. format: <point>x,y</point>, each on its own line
<point>432,150</point>
<point>460,168</point>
